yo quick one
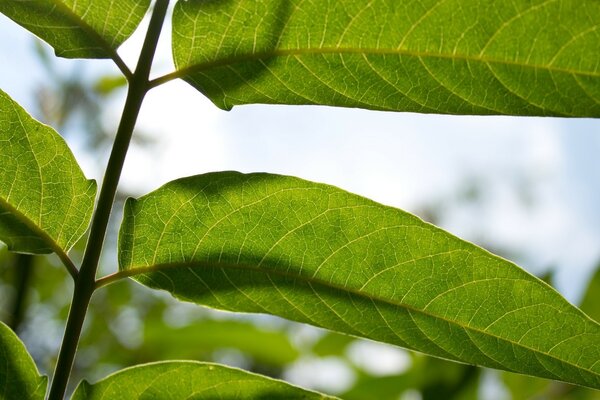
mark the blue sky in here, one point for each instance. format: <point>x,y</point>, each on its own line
<point>539,177</point>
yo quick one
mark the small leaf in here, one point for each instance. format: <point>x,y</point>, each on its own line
<point>182,380</point>
<point>78,28</point>
<point>107,85</point>
<point>45,201</point>
<point>19,377</point>
<point>316,254</point>
<point>332,344</point>
<point>520,57</point>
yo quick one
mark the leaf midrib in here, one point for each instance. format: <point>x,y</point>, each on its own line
<point>52,244</point>
<point>112,53</point>
<point>204,66</point>
<point>134,271</point>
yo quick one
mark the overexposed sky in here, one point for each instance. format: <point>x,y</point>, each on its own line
<point>539,177</point>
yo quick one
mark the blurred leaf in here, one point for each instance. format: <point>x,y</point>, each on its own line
<point>332,344</point>
<point>78,28</point>
<point>462,383</point>
<point>433,378</point>
<point>45,201</point>
<point>24,264</point>
<point>527,387</point>
<point>377,388</point>
<point>316,254</point>
<point>591,299</point>
<point>522,386</point>
<point>19,377</point>
<point>451,57</point>
<point>199,338</point>
<point>108,84</point>
<point>183,380</point>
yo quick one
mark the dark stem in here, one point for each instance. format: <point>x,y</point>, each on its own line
<point>85,283</point>
<point>23,270</point>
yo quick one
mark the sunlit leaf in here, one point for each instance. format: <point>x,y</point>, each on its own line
<point>45,200</point>
<point>182,380</point>
<point>78,28</point>
<point>19,377</point>
<point>316,254</point>
<point>520,57</point>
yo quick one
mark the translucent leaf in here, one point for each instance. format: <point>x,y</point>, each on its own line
<point>45,200</point>
<point>316,254</point>
<point>19,377</point>
<point>78,28</point>
<point>520,57</point>
<point>182,380</point>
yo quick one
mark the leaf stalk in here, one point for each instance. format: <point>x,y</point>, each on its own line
<point>85,284</point>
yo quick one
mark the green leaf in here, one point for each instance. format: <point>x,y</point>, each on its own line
<point>19,377</point>
<point>432,377</point>
<point>45,200</point>
<point>78,28</point>
<point>332,344</point>
<point>520,57</point>
<point>316,254</point>
<point>183,380</point>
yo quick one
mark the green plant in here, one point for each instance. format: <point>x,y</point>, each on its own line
<point>281,245</point>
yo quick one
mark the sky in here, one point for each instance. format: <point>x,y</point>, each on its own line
<point>527,186</point>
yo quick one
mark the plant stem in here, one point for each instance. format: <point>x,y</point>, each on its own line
<point>85,283</point>
<point>23,268</point>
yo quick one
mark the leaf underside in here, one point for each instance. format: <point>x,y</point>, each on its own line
<point>19,377</point>
<point>521,57</point>
<point>78,28</point>
<point>45,200</point>
<point>182,380</point>
<point>316,254</point>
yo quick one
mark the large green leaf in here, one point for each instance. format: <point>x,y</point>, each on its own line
<point>316,254</point>
<point>520,57</point>
<point>182,380</point>
<point>45,200</point>
<point>78,28</point>
<point>19,377</point>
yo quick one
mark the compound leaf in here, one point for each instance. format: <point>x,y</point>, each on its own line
<point>19,377</point>
<point>520,57</point>
<point>316,254</point>
<point>45,200</point>
<point>182,380</point>
<point>78,28</point>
